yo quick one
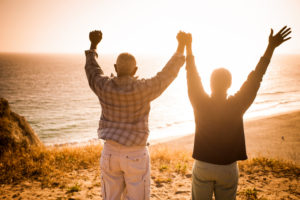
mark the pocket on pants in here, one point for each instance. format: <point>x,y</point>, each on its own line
<point>105,162</point>
<point>137,161</point>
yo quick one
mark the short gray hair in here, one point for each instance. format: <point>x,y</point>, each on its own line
<point>125,63</point>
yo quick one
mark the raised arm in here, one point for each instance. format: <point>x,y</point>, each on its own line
<point>274,42</point>
<point>93,71</point>
<point>195,87</point>
<point>248,91</point>
<point>154,86</point>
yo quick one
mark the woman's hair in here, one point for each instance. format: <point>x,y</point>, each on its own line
<point>220,80</point>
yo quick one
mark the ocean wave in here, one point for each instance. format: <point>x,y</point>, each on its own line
<point>278,92</point>
<point>288,102</point>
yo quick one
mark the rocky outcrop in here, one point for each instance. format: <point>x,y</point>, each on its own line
<point>15,132</point>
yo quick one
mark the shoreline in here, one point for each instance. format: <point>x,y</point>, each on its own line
<point>276,136</point>
<point>167,139</point>
<point>279,130</point>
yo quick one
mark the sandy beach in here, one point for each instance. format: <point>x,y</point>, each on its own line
<point>275,136</point>
<point>271,172</point>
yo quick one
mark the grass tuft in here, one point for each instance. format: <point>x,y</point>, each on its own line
<point>170,160</point>
<point>251,193</point>
<point>74,188</point>
<point>263,165</point>
<point>163,167</point>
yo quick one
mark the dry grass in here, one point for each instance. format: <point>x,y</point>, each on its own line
<point>54,167</point>
<point>170,160</point>
<point>263,166</point>
<point>46,164</point>
<point>41,163</point>
<point>49,164</point>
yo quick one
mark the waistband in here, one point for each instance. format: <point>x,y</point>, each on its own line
<point>114,146</point>
<point>202,163</point>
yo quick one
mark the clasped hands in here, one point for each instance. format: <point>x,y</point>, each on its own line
<point>184,40</point>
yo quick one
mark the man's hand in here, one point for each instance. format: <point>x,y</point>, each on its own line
<point>280,37</point>
<point>95,37</point>
<point>181,41</point>
<point>181,37</point>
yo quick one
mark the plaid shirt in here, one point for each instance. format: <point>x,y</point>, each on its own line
<point>125,101</point>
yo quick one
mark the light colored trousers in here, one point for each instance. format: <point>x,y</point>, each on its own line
<point>207,178</point>
<point>125,172</point>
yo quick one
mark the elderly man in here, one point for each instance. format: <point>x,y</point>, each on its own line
<point>125,102</point>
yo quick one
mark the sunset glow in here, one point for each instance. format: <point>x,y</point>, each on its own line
<point>100,99</point>
<point>231,34</point>
<point>218,27</point>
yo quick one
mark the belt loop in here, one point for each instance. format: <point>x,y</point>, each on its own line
<point>109,161</point>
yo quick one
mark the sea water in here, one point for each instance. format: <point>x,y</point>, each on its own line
<point>52,93</point>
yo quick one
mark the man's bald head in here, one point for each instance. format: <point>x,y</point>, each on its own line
<point>126,65</point>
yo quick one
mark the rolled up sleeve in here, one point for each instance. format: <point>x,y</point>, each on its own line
<point>94,72</point>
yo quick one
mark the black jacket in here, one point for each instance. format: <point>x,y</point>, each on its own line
<point>219,134</point>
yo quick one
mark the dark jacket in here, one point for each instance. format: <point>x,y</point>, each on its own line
<point>219,134</point>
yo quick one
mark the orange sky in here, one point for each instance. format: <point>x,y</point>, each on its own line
<point>219,28</point>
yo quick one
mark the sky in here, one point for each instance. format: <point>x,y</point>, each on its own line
<point>219,28</point>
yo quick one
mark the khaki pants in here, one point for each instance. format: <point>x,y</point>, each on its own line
<point>209,178</point>
<point>125,172</point>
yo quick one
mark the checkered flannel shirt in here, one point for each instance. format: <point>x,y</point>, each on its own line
<point>125,101</point>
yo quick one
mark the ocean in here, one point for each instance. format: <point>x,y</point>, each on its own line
<point>52,93</point>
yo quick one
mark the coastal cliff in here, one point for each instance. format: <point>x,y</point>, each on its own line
<point>15,132</point>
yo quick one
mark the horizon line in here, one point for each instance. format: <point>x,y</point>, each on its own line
<point>78,53</point>
<point>109,53</point>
